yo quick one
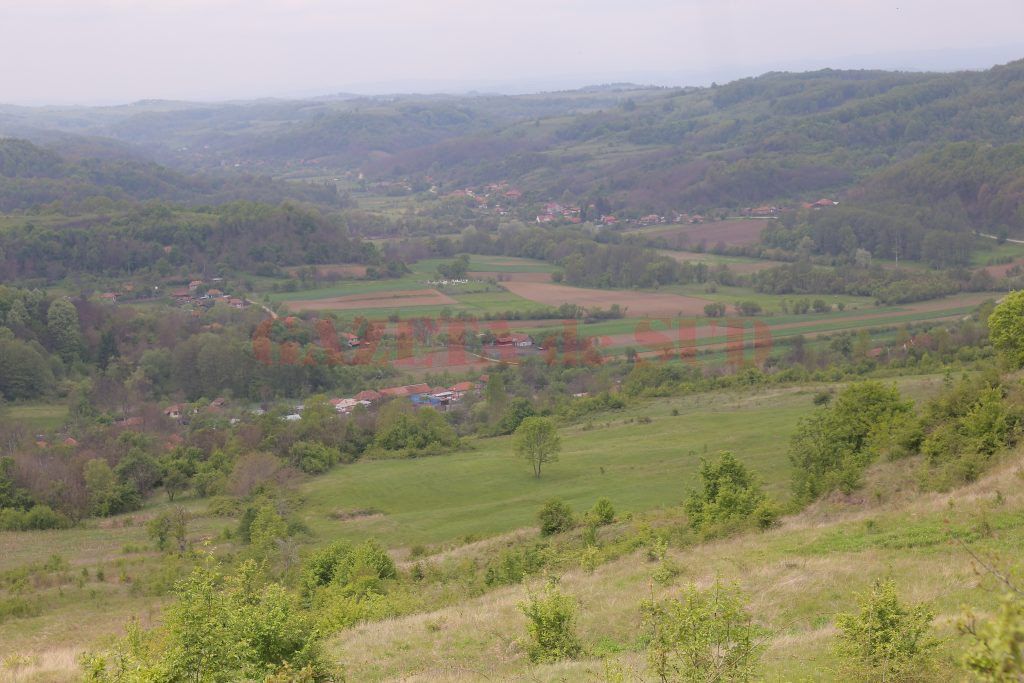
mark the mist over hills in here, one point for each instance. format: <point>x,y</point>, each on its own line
<point>775,138</point>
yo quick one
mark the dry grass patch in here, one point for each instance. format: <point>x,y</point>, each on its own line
<point>54,666</point>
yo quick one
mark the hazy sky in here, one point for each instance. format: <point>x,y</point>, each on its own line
<point>102,51</point>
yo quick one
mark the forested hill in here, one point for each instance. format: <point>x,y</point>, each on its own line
<point>979,185</point>
<point>775,137</point>
<point>779,137</point>
<point>31,176</point>
<point>282,136</point>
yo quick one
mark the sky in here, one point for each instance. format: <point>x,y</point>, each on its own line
<point>115,51</point>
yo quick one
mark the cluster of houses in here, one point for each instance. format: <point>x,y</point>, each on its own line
<point>553,211</point>
<point>440,398</point>
<point>760,211</point>
<point>496,197</point>
<point>127,289</point>
<point>196,294</point>
<point>445,283</point>
<point>820,204</point>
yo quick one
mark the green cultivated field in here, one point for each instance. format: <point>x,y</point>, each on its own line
<point>39,416</point>
<point>468,296</point>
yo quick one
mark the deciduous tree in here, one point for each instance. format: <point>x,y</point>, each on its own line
<point>537,440</point>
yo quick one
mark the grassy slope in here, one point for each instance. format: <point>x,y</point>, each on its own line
<point>488,490</point>
<point>798,577</point>
<point>440,501</point>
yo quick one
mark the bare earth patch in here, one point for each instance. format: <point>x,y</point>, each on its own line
<point>392,299</point>
<point>739,231</point>
<point>345,515</point>
<point>1001,269</point>
<point>637,304</point>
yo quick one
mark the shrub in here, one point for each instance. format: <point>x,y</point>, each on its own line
<point>603,512</point>
<point>18,608</point>
<point>1006,328</point>
<point>603,402</point>
<point>748,308</point>
<point>995,654</point>
<point>341,563</point>
<point>704,636</point>
<point>552,625</point>
<point>885,640</point>
<point>220,628</point>
<point>168,525</point>
<point>40,517</point>
<point>730,498</point>
<point>767,514</point>
<point>370,559</point>
<point>313,457</point>
<point>399,427</point>
<point>266,528</point>
<point>833,446</point>
<point>715,309</point>
<point>963,428</point>
<point>514,564</point>
<point>555,517</point>
<point>517,411</point>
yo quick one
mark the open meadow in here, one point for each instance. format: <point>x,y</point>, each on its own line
<point>478,492</point>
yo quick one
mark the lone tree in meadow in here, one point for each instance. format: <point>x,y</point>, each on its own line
<point>537,440</point>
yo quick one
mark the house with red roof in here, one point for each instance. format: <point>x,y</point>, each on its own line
<point>517,339</point>
<point>367,395</point>
<point>462,388</point>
